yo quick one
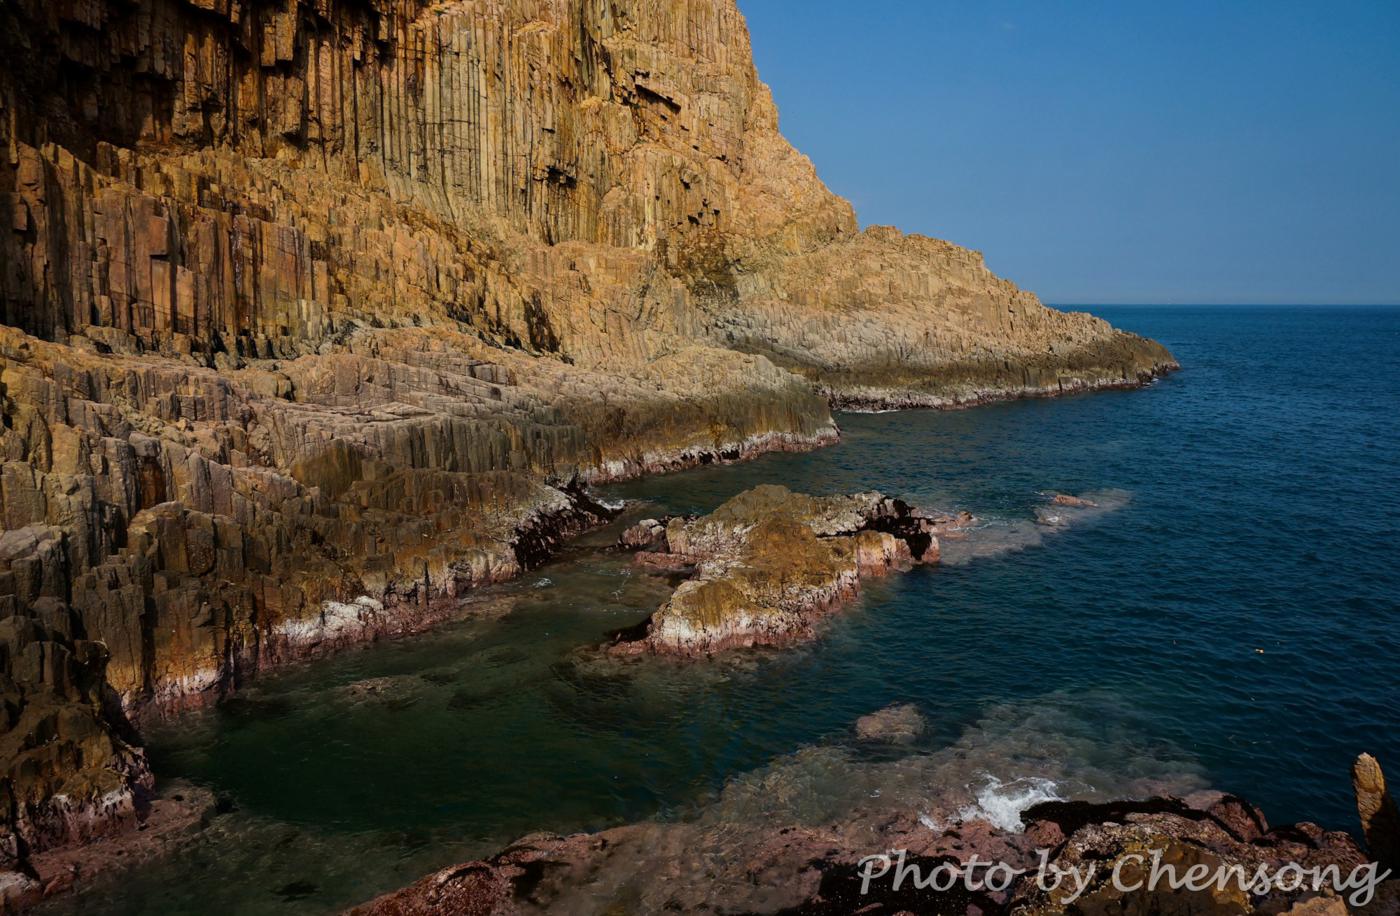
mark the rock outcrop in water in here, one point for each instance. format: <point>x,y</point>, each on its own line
<point>312,308</point>
<point>769,563</point>
<point>766,566</point>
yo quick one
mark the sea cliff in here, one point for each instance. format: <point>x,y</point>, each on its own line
<point>315,313</point>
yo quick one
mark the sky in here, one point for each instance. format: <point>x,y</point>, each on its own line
<point>1117,152</point>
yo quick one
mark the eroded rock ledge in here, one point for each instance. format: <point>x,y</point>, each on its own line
<point>811,870</point>
<point>769,563</point>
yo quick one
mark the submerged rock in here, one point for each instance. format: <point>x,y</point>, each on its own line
<point>901,723</point>
<point>805,835</point>
<point>1064,510</point>
<point>395,691</point>
<point>769,563</point>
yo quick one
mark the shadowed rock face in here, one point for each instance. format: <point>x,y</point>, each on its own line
<point>68,769</point>
<point>1380,818</point>
<point>308,310</point>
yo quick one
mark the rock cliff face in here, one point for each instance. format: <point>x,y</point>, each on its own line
<point>313,309</point>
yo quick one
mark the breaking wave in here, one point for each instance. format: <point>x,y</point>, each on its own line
<point>1002,803</point>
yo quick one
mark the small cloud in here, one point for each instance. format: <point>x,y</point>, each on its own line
<point>1008,26</point>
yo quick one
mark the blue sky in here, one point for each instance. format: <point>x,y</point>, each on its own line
<point>1111,152</point>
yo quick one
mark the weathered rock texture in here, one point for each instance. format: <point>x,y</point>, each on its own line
<point>69,770</point>
<point>817,870</point>
<point>310,308</point>
<point>1380,818</point>
<point>769,563</point>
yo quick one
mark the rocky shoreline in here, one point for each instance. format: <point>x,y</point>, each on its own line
<point>167,818</point>
<point>877,400</point>
<point>401,612</point>
<point>1105,854</point>
<point>314,314</point>
<point>753,446</point>
<point>729,861</point>
<point>883,534</point>
<point>363,620</point>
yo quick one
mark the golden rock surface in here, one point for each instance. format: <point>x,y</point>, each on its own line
<point>310,310</point>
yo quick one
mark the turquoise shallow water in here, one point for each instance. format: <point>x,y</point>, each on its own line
<point>1263,513</point>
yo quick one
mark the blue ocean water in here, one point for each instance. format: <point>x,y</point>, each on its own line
<point>1236,623</point>
<point>1264,515</point>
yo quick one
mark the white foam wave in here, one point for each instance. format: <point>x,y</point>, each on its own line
<point>1002,803</point>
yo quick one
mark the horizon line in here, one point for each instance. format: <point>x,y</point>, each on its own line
<point>1239,304</point>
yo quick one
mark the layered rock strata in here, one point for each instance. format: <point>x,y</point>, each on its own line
<point>313,310</point>
<point>768,564</point>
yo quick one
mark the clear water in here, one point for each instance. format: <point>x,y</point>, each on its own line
<point>1236,623</point>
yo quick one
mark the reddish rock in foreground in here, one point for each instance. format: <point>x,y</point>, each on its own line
<point>653,868</point>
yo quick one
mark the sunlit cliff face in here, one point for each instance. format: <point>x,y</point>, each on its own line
<point>319,308</point>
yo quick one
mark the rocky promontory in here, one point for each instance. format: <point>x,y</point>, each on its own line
<point>315,313</point>
<point>769,563</point>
